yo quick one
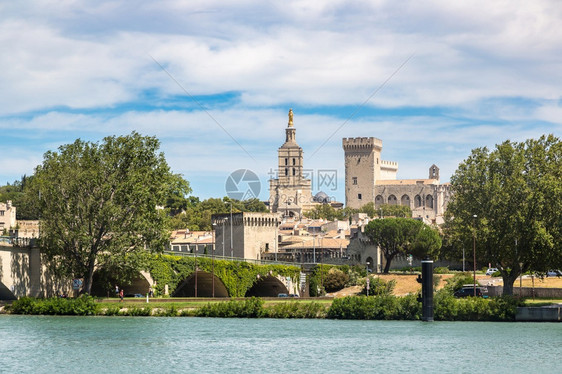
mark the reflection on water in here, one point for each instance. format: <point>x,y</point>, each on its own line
<point>42,344</point>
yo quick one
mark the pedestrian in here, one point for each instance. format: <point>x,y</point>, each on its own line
<point>121,295</point>
<point>150,292</point>
<point>116,290</point>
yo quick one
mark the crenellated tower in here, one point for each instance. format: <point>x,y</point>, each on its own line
<point>362,169</point>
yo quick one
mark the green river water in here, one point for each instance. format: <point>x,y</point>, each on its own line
<point>51,344</point>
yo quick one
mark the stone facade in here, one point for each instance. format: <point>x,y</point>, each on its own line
<point>253,234</point>
<point>7,216</point>
<point>290,193</point>
<point>370,179</point>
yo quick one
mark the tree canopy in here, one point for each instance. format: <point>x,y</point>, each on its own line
<point>509,201</point>
<point>197,214</point>
<point>98,204</point>
<point>404,236</point>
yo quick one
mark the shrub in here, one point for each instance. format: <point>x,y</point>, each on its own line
<point>441,270</point>
<point>137,312</point>
<point>249,308</point>
<point>84,305</point>
<point>296,310</point>
<point>335,280</point>
<point>167,311</point>
<point>457,281</point>
<point>112,310</point>
<point>378,287</point>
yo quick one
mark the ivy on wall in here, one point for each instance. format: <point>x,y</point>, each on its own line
<point>238,277</point>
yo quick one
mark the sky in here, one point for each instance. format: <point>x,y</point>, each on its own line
<point>214,81</point>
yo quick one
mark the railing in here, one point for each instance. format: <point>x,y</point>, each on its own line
<point>229,258</point>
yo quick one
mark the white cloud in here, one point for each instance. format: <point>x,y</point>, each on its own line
<point>488,70</point>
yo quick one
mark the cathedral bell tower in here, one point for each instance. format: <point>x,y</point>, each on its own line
<point>290,192</point>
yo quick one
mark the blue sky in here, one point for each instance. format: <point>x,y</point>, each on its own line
<point>432,79</point>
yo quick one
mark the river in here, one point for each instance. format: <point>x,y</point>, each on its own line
<point>51,344</point>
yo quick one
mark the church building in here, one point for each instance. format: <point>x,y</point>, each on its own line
<point>290,192</point>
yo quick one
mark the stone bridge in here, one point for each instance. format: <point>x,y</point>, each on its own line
<point>23,273</point>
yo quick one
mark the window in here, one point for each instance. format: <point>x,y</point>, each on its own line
<point>354,180</point>
<point>286,171</point>
<point>294,161</point>
<point>294,171</point>
<point>359,196</point>
<point>1,212</point>
<point>286,161</point>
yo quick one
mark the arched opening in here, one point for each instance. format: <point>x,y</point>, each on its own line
<point>103,284</point>
<point>378,201</point>
<point>405,200</point>
<point>429,201</point>
<point>392,200</point>
<point>204,286</point>
<point>370,264</point>
<point>417,201</point>
<point>5,293</point>
<point>267,287</point>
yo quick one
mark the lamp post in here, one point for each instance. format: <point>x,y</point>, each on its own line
<point>367,286</point>
<point>213,257</point>
<point>231,246</point>
<point>223,221</point>
<point>474,253</point>
<point>196,247</point>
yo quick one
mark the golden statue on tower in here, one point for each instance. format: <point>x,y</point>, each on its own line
<point>291,117</point>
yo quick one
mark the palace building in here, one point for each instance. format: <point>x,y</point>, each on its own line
<point>368,178</point>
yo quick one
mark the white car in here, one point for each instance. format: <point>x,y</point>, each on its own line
<point>554,273</point>
<point>491,271</point>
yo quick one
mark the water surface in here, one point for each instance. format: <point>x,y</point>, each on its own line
<point>46,344</point>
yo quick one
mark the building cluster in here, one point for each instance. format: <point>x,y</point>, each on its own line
<point>284,234</point>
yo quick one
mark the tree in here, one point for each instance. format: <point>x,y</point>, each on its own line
<point>508,204</point>
<point>98,204</point>
<point>401,236</point>
<point>386,210</point>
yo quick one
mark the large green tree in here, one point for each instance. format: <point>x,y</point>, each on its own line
<point>508,202</point>
<point>404,236</point>
<point>98,204</point>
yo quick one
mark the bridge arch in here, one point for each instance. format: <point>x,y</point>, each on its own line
<point>204,286</point>
<point>268,286</point>
<point>104,285</point>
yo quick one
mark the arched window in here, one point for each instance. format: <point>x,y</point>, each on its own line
<point>429,201</point>
<point>378,201</point>
<point>417,201</point>
<point>405,200</point>
<point>392,200</point>
<point>286,171</point>
<point>294,171</point>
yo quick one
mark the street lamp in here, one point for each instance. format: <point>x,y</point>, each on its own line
<point>223,221</point>
<point>474,252</point>
<point>367,286</point>
<point>213,256</point>
<point>231,246</point>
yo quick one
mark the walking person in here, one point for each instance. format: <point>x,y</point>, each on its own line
<point>121,294</point>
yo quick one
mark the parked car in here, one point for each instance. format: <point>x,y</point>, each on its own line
<point>468,290</point>
<point>282,295</point>
<point>554,273</point>
<point>491,271</point>
<point>293,295</point>
<point>134,295</point>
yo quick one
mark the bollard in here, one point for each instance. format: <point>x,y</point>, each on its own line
<point>426,298</point>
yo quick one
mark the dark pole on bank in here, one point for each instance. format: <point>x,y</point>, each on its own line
<point>426,299</point>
